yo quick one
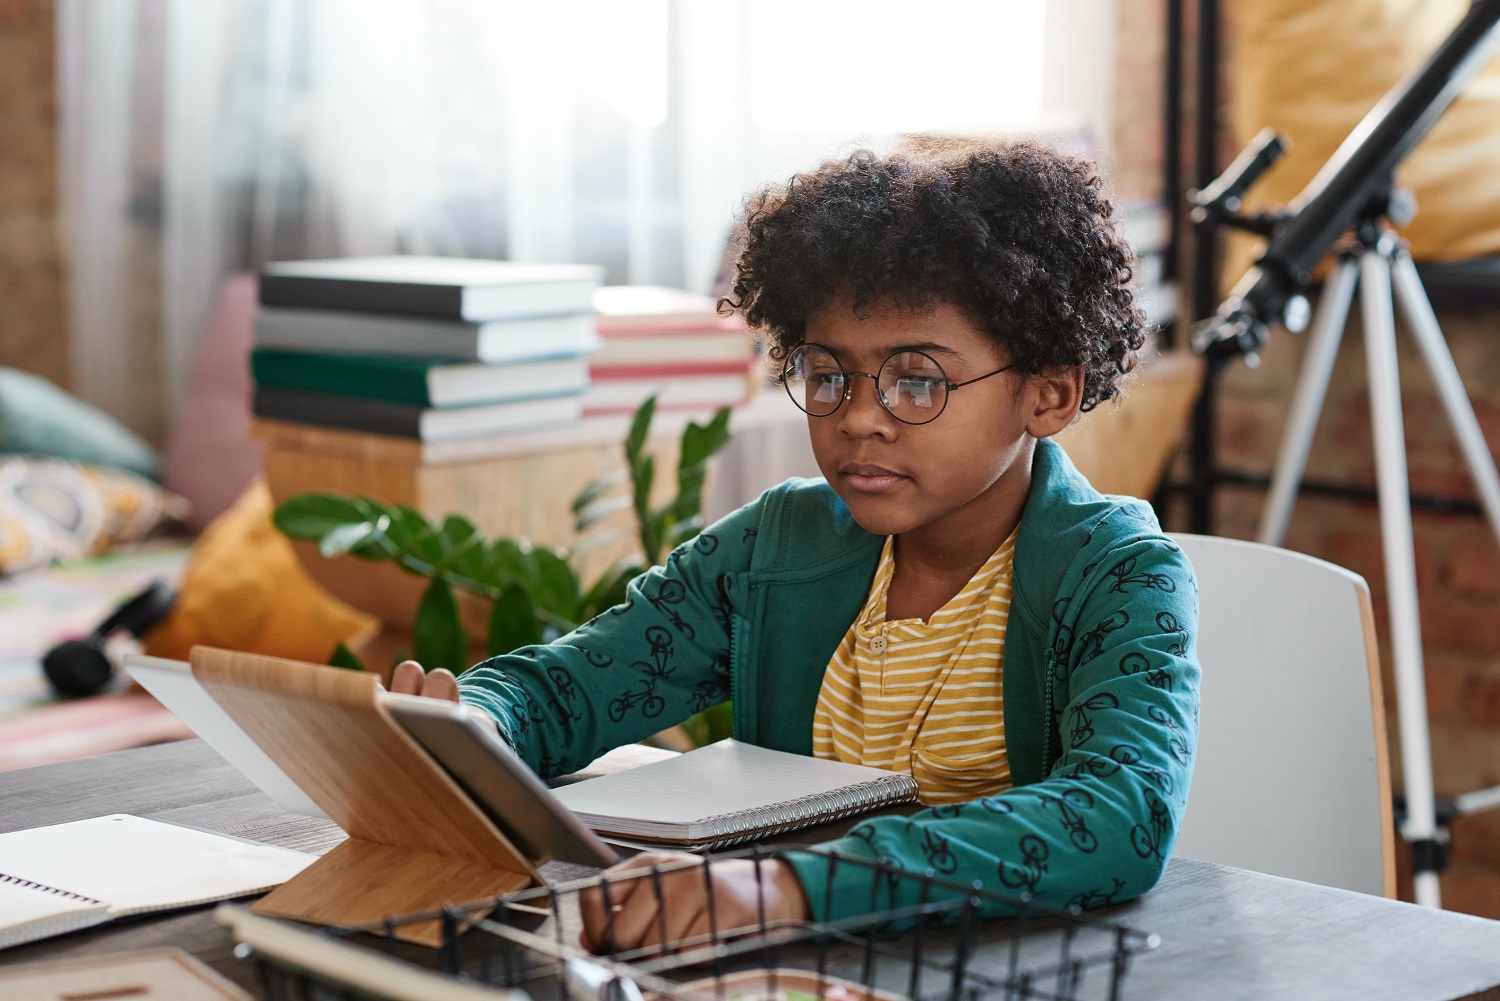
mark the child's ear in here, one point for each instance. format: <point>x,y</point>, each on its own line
<point>1054,399</point>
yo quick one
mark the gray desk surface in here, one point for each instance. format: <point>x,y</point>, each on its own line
<point>1226,933</point>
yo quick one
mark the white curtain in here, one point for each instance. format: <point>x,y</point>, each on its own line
<point>200,137</point>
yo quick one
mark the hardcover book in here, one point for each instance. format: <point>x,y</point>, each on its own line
<point>454,288</point>
<point>428,424</point>
<point>618,394</point>
<point>419,382</point>
<point>653,308</point>
<point>674,350</point>
<point>493,341</point>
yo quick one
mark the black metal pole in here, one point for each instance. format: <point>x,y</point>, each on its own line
<point>1171,161</point>
<point>1203,473</point>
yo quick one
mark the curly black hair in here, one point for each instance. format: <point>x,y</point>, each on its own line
<point>1017,236</point>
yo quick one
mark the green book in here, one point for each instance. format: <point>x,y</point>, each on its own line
<point>419,382</point>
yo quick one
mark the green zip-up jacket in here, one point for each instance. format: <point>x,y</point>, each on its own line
<point>1100,685</point>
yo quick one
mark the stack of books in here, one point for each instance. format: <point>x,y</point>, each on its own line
<point>670,343</point>
<point>432,348</point>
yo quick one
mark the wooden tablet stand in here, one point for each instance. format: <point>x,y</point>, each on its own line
<point>416,841</point>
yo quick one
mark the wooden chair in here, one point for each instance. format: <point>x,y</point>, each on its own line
<point>1291,776</point>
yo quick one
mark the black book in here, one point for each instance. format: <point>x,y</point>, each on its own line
<point>453,288</point>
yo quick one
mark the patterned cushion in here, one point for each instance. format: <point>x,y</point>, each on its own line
<point>52,510</point>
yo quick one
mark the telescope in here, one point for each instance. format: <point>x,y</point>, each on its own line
<point>1356,184</point>
<point>1355,191</point>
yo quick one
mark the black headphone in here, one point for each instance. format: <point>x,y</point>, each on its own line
<point>79,667</point>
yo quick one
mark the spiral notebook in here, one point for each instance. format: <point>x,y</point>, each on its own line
<point>728,793</point>
<point>69,876</point>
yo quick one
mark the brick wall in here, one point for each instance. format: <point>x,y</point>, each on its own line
<point>1137,139</point>
<point>32,319</point>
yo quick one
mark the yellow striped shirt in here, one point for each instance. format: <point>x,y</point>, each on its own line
<point>924,697</point>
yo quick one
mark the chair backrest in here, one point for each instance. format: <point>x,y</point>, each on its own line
<point>1291,776</point>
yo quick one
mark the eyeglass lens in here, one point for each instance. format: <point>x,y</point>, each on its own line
<point>911,385</point>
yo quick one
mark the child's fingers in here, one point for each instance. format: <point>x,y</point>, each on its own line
<point>407,678</point>
<point>686,917</point>
<point>600,912</point>
<point>440,684</point>
<point>633,902</point>
<point>631,920</point>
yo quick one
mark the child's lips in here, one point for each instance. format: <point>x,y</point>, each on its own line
<point>871,479</point>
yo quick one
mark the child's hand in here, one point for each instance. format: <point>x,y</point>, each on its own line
<point>410,679</point>
<point>638,923</point>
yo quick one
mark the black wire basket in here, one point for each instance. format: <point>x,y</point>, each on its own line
<point>939,948</point>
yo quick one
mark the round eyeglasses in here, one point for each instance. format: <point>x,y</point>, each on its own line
<point>911,385</point>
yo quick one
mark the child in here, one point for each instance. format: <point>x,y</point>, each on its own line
<point>955,600</point>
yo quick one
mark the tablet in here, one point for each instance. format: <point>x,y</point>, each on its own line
<point>499,783</point>
<point>171,683</point>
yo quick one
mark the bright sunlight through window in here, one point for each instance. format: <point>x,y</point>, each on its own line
<point>895,65</point>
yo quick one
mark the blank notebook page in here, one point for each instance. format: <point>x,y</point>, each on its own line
<point>722,778</point>
<point>134,864</point>
<point>25,907</point>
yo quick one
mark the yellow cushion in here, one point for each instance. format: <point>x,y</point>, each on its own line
<point>1311,69</point>
<point>244,589</point>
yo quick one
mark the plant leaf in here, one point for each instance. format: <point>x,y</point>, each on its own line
<point>376,547</point>
<point>556,584</point>
<point>342,539</point>
<point>313,516</point>
<point>406,525</point>
<point>597,488</point>
<point>456,531</point>
<point>609,590</point>
<point>700,441</point>
<point>343,657</point>
<point>507,563</point>
<point>598,511</point>
<point>471,561</point>
<point>646,520</point>
<point>463,547</point>
<point>438,638</point>
<point>428,548</point>
<point>640,427</point>
<point>512,622</point>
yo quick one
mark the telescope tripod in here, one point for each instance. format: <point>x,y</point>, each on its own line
<point>1377,261</point>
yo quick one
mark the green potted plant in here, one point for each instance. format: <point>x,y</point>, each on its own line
<point>535,593</point>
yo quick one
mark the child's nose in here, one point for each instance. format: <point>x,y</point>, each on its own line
<point>863,413</point>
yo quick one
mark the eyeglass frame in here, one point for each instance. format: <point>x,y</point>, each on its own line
<point>948,385</point>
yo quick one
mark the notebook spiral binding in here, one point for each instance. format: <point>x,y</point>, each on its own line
<point>18,881</point>
<point>728,829</point>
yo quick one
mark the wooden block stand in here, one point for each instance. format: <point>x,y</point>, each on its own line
<point>416,841</point>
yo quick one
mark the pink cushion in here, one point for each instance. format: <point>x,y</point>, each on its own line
<point>211,457</point>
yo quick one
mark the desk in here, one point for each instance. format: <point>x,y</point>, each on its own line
<point>1226,933</point>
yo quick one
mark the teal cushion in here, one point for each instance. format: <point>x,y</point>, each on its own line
<point>37,418</point>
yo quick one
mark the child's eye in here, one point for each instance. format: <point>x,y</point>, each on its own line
<point>826,386</point>
<point>920,390</point>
